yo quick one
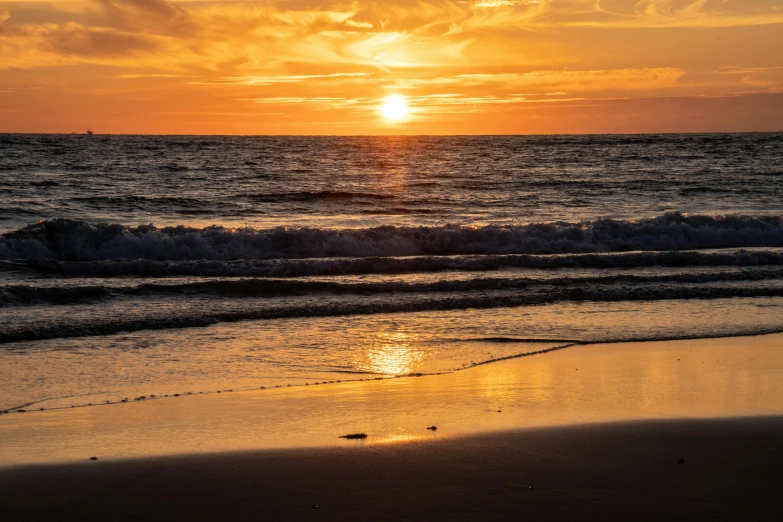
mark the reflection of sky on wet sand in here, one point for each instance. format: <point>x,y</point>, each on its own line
<point>584,384</point>
<point>390,353</point>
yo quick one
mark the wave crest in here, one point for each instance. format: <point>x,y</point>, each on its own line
<point>65,239</point>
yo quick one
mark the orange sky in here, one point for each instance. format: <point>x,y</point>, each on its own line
<point>323,66</point>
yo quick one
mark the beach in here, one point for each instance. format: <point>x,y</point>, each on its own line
<point>554,327</point>
<point>731,471</point>
<point>687,430</point>
<point>403,260</point>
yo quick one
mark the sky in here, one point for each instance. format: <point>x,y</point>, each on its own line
<point>325,66</point>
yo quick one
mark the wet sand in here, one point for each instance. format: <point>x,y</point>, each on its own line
<point>596,431</point>
<point>732,470</point>
<point>706,378</point>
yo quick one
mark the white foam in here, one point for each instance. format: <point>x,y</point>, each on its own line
<point>80,241</point>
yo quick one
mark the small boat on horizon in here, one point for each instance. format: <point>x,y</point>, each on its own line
<point>90,132</point>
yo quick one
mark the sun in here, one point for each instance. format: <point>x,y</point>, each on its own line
<point>394,107</point>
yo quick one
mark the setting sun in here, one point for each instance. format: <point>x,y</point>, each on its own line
<point>394,107</point>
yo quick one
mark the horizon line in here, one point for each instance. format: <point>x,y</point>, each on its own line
<point>98,134</point>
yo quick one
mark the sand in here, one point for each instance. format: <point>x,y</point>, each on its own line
<point>596,431</point>
<point>732,470</point>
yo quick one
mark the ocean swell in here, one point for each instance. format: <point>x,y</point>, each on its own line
<point>390,265</point>
<point>21,294</point>
<point>231,311</point>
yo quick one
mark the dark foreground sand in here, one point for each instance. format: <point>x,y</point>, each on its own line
<point>733,470</point>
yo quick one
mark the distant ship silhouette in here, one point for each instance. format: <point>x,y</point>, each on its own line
<point>90,132</point>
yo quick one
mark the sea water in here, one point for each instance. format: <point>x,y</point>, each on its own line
<point>137,265</point>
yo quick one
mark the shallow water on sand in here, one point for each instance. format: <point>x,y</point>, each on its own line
<point>297,351</point>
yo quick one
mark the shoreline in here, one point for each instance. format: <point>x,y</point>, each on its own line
<point>707,469</point>
<point>586,384</point>
<point>568,343</point>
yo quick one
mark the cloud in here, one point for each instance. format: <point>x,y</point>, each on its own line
<point>344,54</point>
<point>271,80</point>
<point>86,42</point>
<point>267,35</point>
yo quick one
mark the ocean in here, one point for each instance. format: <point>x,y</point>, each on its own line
<point>139,266</point>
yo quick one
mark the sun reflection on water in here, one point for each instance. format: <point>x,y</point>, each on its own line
<point>391,353</point>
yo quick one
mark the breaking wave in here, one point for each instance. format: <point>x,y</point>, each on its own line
<point>73,240</point>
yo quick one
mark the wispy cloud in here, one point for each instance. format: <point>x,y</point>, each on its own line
<point>271,80</point>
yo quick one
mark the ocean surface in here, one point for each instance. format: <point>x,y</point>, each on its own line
<point>136,266</point>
